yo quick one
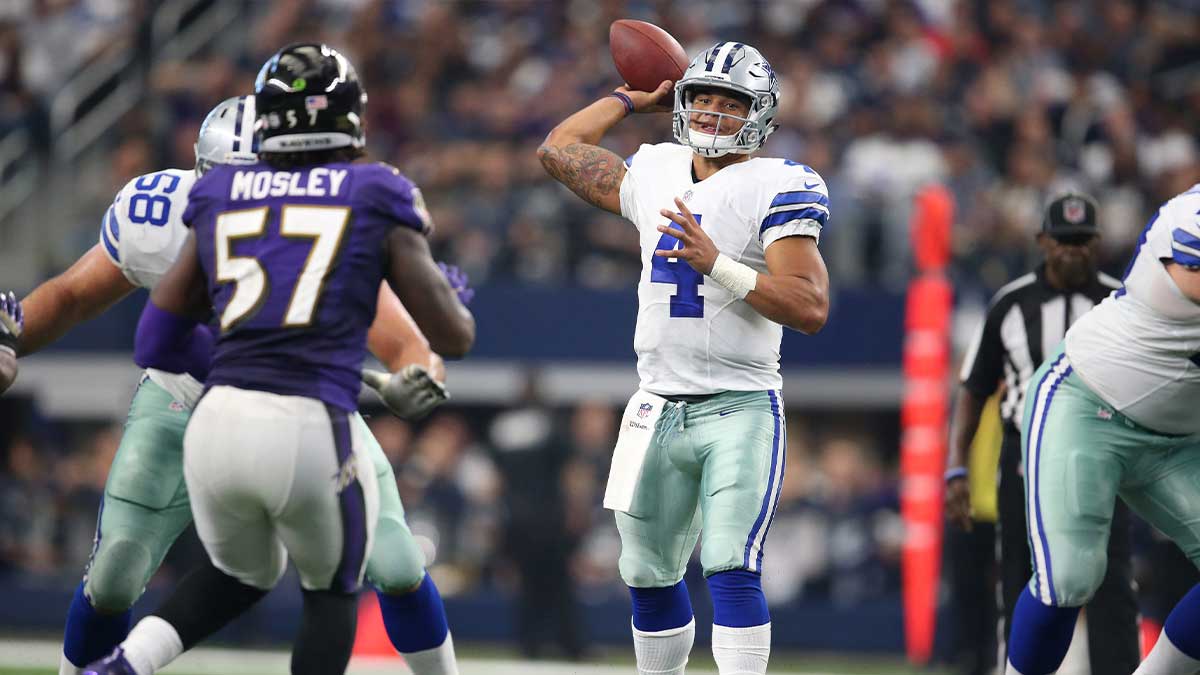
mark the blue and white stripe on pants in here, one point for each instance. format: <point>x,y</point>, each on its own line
<point>752,560</point>
<point>1043,573</point>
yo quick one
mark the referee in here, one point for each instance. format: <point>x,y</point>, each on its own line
<point>1026,321</point>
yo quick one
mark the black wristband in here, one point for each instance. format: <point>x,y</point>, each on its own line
<point>7,340</point>
<point>625,100</point>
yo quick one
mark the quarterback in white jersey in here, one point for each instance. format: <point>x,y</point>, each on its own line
<point>729,257</point>
<point>146,505</point>
<point>1116,412</point>
<point>744,208</point>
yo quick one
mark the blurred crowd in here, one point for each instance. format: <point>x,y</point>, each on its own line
<point>1006,101</point>
<point>500,500</point>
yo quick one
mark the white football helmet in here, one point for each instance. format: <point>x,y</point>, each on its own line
<point>227,135</point>
<point>742,70</point>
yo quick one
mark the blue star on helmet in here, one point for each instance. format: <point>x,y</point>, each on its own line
<point>764,69</point>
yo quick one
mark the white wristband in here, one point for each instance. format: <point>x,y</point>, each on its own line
<point>738,278</point>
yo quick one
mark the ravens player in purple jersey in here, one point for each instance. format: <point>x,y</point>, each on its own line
<point>285,258</point>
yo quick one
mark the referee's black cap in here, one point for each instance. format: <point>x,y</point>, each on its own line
<point>1071,214</point>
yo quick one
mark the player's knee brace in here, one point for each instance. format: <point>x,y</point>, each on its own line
<point>397,564</point>
<point>1074,583</point>
<point>118,574</point>
<point>738,600</point>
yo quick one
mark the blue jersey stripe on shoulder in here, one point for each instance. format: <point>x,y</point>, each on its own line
<point>1185,248</point>
<point>1185,258</point>
<point>112,225</point>
<point>1186,238</point>
<point>110,246</point>
<point>800,197</point>
<point>783,217</point>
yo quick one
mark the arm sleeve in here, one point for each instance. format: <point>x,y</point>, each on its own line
<point>799,208</point>
<point>192,210</point>
<point>983,366</point>
<point>391,198</point>
<point>172,343</point>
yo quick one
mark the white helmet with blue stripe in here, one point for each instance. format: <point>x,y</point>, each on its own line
<point>742,70</point>
<point>227,135</point>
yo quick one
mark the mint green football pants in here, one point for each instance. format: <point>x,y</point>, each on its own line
<point>1079,455</point>
<point>715,467</point>
<point>146,507</point>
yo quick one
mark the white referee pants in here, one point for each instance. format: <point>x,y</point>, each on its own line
<point>272,475</point>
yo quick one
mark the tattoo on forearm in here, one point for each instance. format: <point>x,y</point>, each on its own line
<point>590,171</point>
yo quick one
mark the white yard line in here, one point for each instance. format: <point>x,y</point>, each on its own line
<point>214,661</point>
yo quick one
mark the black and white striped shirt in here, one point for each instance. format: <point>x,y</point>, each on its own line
<point>1026,321</point>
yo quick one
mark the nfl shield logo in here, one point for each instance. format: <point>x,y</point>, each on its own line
<point>644,409</point>
<point>1074,211</point>
<point>316,102</point>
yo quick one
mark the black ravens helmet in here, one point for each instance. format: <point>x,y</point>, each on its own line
<point>308,97</point>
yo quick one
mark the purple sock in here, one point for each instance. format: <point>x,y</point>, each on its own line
<point>90,635</point>
<point>1040,635</point>
<point>1183,624</point>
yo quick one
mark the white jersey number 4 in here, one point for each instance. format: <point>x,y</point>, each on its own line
<point>686,303</point>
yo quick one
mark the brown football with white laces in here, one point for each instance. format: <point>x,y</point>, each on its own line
<point>645,54</point>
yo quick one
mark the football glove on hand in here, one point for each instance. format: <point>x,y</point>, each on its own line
<point>12,322</point>
<point>411,393</point>
<point>458,281</point>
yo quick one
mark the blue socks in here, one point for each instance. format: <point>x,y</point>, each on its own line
<point>415,621</point>
<point>738,600</point>
<point>659,609</point>
<point>1183,624</point>
<point>90,635</point>
<point>1041,635</point>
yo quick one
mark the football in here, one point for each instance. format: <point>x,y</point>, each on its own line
<point>645,54</point>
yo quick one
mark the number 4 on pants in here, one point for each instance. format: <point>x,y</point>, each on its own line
<point>687,302</point>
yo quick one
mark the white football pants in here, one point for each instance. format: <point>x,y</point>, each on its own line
<point>272,475</point>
